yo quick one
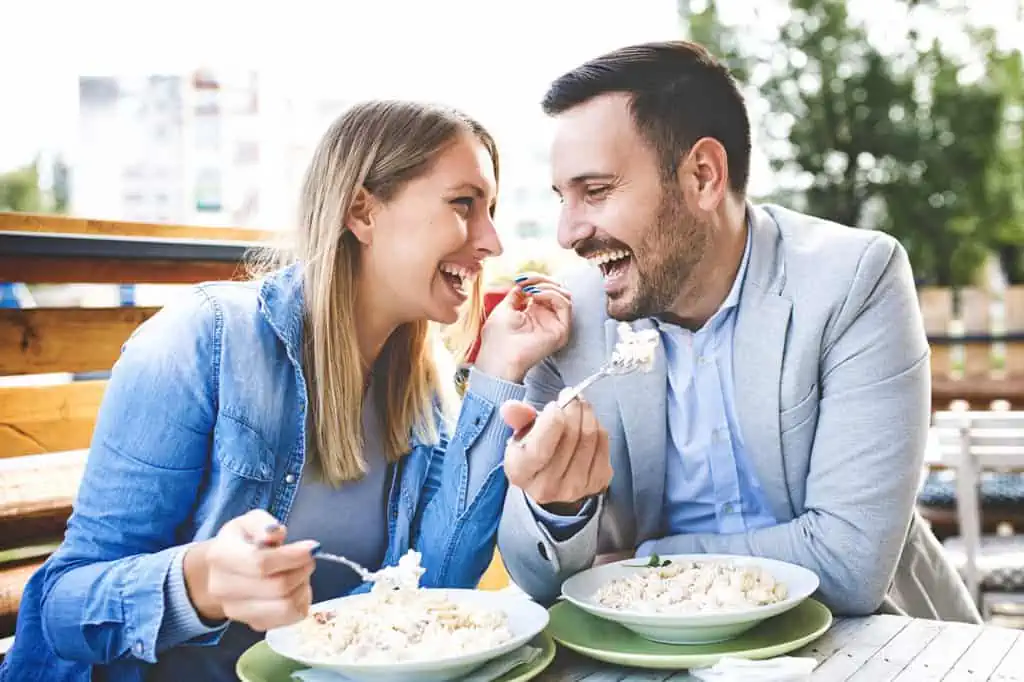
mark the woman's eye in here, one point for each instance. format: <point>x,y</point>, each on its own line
<point>597,192</point>
<point>463,204</point>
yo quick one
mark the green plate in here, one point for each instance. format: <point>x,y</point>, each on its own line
<point>612,643</point>
<point>261,664</point>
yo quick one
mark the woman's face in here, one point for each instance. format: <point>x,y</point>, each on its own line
<point>429,241</point>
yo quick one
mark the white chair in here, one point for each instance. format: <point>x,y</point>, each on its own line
<point>975,442</point>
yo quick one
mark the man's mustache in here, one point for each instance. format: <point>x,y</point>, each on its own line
<point>595,245</point>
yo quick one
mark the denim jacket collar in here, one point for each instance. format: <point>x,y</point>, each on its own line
<point>282,303</point>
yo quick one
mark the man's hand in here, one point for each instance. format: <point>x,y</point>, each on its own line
<point>560,457</point>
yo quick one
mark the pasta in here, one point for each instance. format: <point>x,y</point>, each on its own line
<point>636,348</point>
<point>692,587</point>
<point>399,621</point>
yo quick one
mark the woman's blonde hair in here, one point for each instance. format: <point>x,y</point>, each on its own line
<point>379,146</point>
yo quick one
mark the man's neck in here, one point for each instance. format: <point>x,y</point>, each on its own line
<point>713,278</point>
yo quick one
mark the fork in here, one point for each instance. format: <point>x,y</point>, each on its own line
<point>622,362</point>
<point>618,365</point>
<point>366,575</point>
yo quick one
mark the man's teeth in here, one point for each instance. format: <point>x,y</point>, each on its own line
<point>465,275</point>
<point>608,257</point>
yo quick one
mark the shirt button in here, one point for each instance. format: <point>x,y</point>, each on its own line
<point>289,479</point>
<point>728,508</point>
<point>137,648</point>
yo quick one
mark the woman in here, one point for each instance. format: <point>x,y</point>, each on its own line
<point>252,423</point>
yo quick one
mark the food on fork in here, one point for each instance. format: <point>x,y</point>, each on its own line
<point>692,587</point>
<point>636,348</point>
<point>401,622</point>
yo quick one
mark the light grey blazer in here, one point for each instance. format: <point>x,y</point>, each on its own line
<point>833,387</point>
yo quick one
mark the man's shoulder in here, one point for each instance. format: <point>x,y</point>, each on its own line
<point>827,257</point>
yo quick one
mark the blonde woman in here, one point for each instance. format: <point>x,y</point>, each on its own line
<point>252,423</point>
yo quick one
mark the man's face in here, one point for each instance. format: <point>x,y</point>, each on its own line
<point>618,211</point>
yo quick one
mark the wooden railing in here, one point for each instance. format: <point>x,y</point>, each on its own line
<point>46,425</point>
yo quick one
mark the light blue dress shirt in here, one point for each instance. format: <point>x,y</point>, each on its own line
<point>710,486</point>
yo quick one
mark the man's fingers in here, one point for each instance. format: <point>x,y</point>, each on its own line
<point>525,458</point>
<point>600,465</point>
<point>577,475</point>
<point>566,451</point>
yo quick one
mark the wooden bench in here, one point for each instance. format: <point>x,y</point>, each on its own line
<point>46,422</point>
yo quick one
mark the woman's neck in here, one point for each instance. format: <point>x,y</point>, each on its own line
<point>375,323</point>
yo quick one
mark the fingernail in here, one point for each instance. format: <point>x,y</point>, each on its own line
<point>521,278</point>
<point>532,290</point>
<point>315,549</point>
<point>273,528</point>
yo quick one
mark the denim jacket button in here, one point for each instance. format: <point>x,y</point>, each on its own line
<point>137,648</point>
<point>289,479</point>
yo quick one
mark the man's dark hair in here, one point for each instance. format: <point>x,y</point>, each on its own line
<point>679,94</point>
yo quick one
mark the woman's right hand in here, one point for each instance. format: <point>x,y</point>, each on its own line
<point>247,574</point>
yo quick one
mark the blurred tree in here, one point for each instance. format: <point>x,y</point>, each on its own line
<point>19,190</point>
<point>910,140</point>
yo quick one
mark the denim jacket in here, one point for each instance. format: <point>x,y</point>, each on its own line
<point>203,420</point>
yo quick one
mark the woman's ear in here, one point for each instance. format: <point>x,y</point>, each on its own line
<point>359,219</point>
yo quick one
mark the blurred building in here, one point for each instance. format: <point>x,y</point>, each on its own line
<point>182,148</point>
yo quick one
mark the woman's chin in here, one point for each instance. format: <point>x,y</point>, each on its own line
<point>443,313</point>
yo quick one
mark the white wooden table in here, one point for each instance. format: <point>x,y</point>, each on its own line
<point>872,649</point>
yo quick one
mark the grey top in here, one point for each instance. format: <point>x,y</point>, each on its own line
<point>348,520</point>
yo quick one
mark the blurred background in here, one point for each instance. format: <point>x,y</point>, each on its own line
<point>186,127</point>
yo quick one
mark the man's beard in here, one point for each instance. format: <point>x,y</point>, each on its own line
<point>665,261</point>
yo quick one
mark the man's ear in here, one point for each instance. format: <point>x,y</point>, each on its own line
<point>704,174</point>
<point>359,219</point>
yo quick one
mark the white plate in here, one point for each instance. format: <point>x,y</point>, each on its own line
<point>526,619</point>
<point>692,628</point>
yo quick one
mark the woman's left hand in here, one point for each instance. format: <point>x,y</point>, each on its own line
<point>531,323</point>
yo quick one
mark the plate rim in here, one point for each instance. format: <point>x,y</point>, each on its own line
<point>549,650</point>
<point>664,661</point>
<point>756,613</point>
<point>413,667</point>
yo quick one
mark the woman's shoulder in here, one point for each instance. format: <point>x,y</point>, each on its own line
<point>197,319</point>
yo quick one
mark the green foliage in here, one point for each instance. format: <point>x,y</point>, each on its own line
<point>19,190</point>
<point>917,141</point>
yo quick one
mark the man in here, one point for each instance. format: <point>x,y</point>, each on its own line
<point>787,412</point>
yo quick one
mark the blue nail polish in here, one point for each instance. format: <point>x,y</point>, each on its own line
<point>532,290</point>
<point>315,549</point>
<point>521,278</point>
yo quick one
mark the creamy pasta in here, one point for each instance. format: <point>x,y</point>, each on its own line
<point>636,348</point>
<point>692,587</point>
<point>399,621</point>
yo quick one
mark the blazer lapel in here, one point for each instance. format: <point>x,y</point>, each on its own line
<point>758,345</point>
<point>642,408</point>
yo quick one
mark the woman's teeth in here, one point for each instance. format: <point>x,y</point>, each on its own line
<point>460,277</point>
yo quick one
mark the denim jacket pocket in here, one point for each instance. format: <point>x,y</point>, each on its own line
<point>241,450</point>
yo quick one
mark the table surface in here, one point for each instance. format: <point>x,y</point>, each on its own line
<point>872,649</point>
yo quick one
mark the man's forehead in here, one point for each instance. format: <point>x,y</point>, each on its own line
<point>593,137</point>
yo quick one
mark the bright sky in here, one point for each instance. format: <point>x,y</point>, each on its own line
<point>493,58</point>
